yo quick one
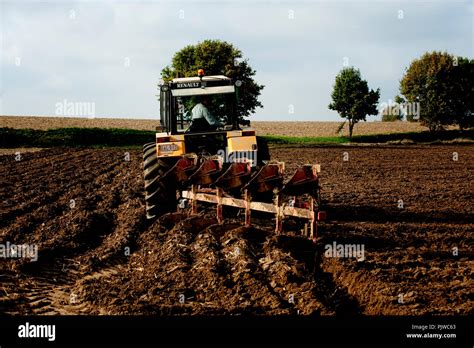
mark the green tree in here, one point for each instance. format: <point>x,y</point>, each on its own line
<point>218,58</point>
<point>352,99</point>
<point>442,84</point>
<point>463,91</point>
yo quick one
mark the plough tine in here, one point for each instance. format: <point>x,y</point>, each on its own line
<point>235,176</point>
<point>207,173</point>
<point>182,169</point>
<point>304,181</point>
<point>266,179</point>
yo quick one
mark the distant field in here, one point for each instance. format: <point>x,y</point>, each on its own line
<point>329,129</point>
<point>44,123</point>
<point>300,129</point>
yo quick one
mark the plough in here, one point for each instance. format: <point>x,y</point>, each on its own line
<point>241,186</point>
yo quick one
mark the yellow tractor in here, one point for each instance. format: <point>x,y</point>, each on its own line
<point>201,155</point>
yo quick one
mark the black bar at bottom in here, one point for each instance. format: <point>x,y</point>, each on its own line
<point>136,330</point>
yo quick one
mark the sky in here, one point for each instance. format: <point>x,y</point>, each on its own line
<point>57,57</point>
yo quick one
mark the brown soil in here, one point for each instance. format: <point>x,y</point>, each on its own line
<point>84,210</point>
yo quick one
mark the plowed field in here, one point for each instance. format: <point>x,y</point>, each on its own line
<point>410,208</point>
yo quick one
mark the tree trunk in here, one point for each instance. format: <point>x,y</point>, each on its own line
<point>432,127</point>
<point>351,127</point>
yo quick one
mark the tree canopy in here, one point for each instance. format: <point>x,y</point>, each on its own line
<point>443,85</point>
<point>218,58</point>
<point>351,97</point>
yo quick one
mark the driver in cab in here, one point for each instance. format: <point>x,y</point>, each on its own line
<point>202,119</point>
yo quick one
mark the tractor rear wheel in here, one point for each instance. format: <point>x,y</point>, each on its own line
<point>147,145</point>
<point>160,190</point>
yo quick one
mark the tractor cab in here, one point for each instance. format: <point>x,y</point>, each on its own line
<point>179,96</point>
<point>185,101</point>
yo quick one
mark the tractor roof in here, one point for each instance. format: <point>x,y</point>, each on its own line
<point>197,79</point>
<point>189,86</point>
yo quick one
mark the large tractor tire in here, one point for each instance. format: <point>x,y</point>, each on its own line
<point>160,190</point>
<point>147,145</point>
